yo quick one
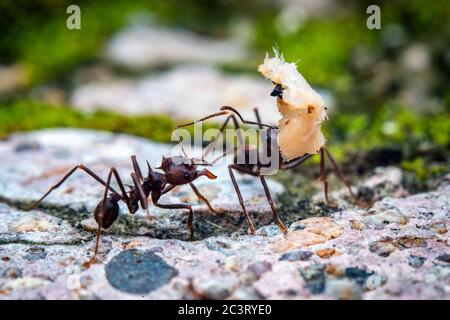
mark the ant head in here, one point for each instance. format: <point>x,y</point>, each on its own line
<point>114,197</point>
<point>181,170</point>
<point>277,91</point>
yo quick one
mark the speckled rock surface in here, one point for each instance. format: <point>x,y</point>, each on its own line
<point>398,249</point>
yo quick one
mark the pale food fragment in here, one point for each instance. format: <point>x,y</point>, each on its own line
<point>301,107</point>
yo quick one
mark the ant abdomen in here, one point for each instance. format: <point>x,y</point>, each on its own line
<point>110,215</point>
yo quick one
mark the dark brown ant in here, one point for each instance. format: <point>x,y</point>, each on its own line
<point>255,169</point>
<point>176,171</point>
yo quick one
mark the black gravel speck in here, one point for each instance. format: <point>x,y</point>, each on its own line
<point>416,261</point>
<point>359,275</point>
<point>314,277</point>
<point>296,255</point>
<point>138,272</point>
<point>444,258</point>
<point>365,194</point>
<point>26,146</point>
<point>428,214</point>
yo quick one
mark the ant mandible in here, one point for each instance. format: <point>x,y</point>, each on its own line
<point>176,171</point>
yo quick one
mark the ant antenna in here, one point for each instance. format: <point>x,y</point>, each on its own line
<point>181,143</point>
<point>182,150</point>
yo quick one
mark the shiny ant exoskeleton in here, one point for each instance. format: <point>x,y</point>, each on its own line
<point>176,171</point>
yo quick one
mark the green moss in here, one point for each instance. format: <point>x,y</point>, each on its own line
<point>31,115</point>
<point>38,38</point>
<point>28,115</point>
<point>417,166</point>
<point>391,126</point>
<point>423,170</point>
<point>323,46</point>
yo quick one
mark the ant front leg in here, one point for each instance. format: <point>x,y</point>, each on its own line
<point>202,197</point>
<point>155,199</point>
<point>272,206</point>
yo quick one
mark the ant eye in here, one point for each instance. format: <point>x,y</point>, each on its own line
<point>186,176</point>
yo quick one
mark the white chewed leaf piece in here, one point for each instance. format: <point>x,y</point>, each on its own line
<point>302,109</point>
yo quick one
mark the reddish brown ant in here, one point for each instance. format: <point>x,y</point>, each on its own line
<point>255,169</point>
<point>176,170</point>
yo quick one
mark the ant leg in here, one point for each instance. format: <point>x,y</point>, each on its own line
<point>168,188</point>
<point>342,177</point>
<point>217,114</point>
<point>202,197</point>
<point>100,218</point>
<point>235,149</point>
<point>241,201</point>
<point>155,199</point>
<point>136,168</point>
<point>142,198</point>
<point>213,143</point>
<point>190,225</point>
<point>222,128</point>
<point>64,178</point>
<point>125,197</point>
<point>286,165</point>
<point>258,118</point>
<point>224,155</point>
<point>224,111</point>
<point>260,124</point>
<point>274,209</point>
<point>190,216</point>
<point>323,178</point>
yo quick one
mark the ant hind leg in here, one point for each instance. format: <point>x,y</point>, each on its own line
<point>100,221</point>
<point>342,177</point>
<point>272,206</point>
<point>241,200</point>
<point>323,177</point>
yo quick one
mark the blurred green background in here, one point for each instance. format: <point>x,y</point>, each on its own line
<point>389,87</point>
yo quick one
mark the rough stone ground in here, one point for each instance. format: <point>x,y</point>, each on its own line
<point>398,249</point>
<point>31,163</point>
